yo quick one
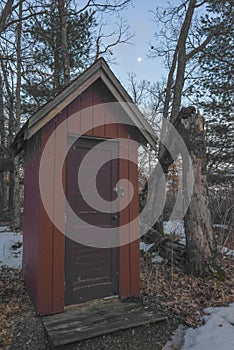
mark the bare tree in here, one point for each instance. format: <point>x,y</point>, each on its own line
<point>199,232</point>
<point>5,14</point>
<point>17,198</point>
<point>20,65</point>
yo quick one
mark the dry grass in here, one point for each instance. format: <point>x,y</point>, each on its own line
<point>174,291</point>
<point>184,294</point>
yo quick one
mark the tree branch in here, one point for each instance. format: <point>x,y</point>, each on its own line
<point>202,3</point>
<point>5,14</point>
<point>192,53</point>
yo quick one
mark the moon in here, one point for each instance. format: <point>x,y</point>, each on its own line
<point>139,59</point>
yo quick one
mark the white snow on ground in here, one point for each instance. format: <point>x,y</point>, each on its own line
<point>156,258</point>
<point>175,227</point>
<point>9,256</point>
<point>145,247</point>
<point>4,228</point>
<point>217,332</point>
<point>228,252</point>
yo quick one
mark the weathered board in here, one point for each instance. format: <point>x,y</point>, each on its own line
<point>97,319</point>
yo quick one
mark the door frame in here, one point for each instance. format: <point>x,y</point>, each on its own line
<point>70,142</point>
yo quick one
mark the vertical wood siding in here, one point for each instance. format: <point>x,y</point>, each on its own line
<point>45,252</point>
<point>31,222</point>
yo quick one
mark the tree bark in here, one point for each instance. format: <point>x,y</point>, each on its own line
<point>181,61</point>
<point>10,135</point>
<point>197,220</point>
<point>2,148</point>
<point>64,42</point>
<point>7,10</point>
<point>17,199</point>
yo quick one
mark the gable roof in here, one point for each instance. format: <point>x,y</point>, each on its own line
<point>98,70</point>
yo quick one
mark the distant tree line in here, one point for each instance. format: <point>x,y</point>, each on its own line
<point>44,45</point>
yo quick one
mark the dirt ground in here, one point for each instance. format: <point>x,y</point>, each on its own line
<point>179,296</point>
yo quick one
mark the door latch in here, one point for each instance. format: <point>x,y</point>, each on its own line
<point>119,190</point>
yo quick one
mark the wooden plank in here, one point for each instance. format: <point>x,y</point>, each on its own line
<point>76,325</point>
<point>134,223</point>
<point>87,112</point>
<point>99,114</point>
<point>130,108</point>
<point>73,118</point>
<point>75,321</point>
<point>125,287</point>
<point>64,337</point>
<point>59,213</point>
<point>45,272</point>
<point>111,116</point>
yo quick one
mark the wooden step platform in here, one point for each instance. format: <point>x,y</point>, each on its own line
<point>96,319</point>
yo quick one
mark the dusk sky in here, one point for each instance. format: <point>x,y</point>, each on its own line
<point>133,58</point>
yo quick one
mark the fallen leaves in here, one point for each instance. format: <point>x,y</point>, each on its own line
<point>183,294</point>
<point>13,301</point>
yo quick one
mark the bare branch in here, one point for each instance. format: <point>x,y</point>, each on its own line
<point>201,47</point>
<point>122,36</point>
<point>5,14</point>
<point>106,6</point>
<point>201,4</point>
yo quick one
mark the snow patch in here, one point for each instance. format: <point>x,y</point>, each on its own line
<point>217,332</point>
<point>228,252</point>
<point>145,247</point>
<point>156,258</point>
<point>175,227</point>
<point>4,228</point>
<point>8,255</point>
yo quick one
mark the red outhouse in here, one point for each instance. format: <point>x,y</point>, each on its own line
<point>92,128</point>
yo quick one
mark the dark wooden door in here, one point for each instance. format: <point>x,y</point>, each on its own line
<point>90,272</point>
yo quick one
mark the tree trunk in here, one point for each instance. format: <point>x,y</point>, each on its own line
<point>6,12</point>
<point>10,136</point>
<point>197,220</point>
<point>2,147</point>
<point>65,52</point>
<point>56,43</point>
<point>17,199</point>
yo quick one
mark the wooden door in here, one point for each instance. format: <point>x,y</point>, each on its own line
<point>90,272</point>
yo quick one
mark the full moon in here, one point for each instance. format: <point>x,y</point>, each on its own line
<point>139,59</point>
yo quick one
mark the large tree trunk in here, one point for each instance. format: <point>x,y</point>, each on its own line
<point>6,12</point>
<point>197,220</point>
<point>10,135</point>
<point>198,227</point>
<point>17,199</point>
<point>2,147</point>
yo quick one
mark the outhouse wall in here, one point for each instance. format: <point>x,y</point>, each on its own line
<point>44,244</point>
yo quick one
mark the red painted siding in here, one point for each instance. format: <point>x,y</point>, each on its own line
<point>44,248</point>
<point>31,227</point>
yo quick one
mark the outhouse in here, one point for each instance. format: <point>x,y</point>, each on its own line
<point>80,158</point>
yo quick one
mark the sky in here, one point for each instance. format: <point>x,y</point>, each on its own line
<point>133,58</point>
